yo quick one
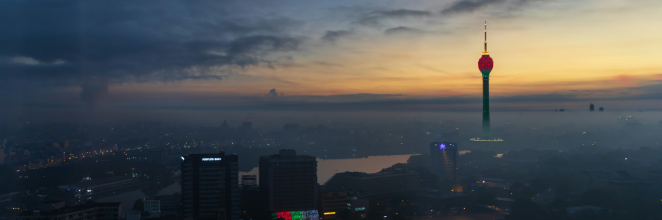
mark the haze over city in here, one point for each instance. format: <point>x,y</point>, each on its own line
<point>310,110</point>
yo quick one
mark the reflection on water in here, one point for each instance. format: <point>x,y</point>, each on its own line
<point>325,170</point>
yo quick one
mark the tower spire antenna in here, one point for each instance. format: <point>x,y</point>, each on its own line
<point>485,52</point>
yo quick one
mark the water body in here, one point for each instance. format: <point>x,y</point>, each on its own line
<point>325,170</point>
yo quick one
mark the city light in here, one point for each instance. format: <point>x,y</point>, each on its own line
<point>211,159</point>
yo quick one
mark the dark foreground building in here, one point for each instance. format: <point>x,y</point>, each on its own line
<point>290,180</point>
<point>443,159</point>
<point>210,186</point>
<point>91,211</point>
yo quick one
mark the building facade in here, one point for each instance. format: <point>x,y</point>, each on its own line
<point>290,181</point>
<point>333,204</point>
<point>443,159</point>
<point>210,186</point>
<point>248,181</point>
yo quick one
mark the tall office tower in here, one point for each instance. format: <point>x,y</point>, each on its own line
<point>485,65</point>
<point>591,107</point>
<point>210,186</point>
<point>290,181</point>
<point>443,157</point>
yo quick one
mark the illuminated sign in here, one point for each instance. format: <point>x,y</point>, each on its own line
<point>297,215</point>
<point>211,159</point>
<point>359,209</point>
<point>442,146</point>
<point>329,213</point>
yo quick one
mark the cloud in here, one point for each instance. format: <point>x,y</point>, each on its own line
<point>66,42</point>
<point>92,44</point>
<point>273,94</point>
<point>468,6</point>
<point>30,61</point>
<point>332,36</point>
<point>375,17</point>
<point>654,88</point>
<point>401,30</point>
<point>341,98</point>
<point>624,79</point>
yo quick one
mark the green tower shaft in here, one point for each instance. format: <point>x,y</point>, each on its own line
<point>486,107</point>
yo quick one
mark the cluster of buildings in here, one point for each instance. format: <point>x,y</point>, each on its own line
<point>288,188</point>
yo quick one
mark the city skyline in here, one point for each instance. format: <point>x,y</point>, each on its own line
<point>330,110</point>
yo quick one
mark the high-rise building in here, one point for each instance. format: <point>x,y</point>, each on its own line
<point>210,186</point>
<point>443,157</point>
<point>591,107</point>
<point>485,64</point>
<point>290,180</point>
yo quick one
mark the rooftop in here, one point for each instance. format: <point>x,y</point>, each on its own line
<point>68,209</point>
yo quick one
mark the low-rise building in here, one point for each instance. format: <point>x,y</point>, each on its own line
<point>90,211</point>
<point>376,185</point>
<point>333,204</point>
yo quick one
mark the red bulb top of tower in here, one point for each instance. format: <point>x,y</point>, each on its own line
<point>485,65</point>
<point>485,62</point>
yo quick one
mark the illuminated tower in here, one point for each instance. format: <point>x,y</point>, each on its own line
<point>443,158</point>
<point>485,65</point>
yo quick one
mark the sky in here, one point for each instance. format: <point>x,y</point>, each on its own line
<point>329,55</point>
